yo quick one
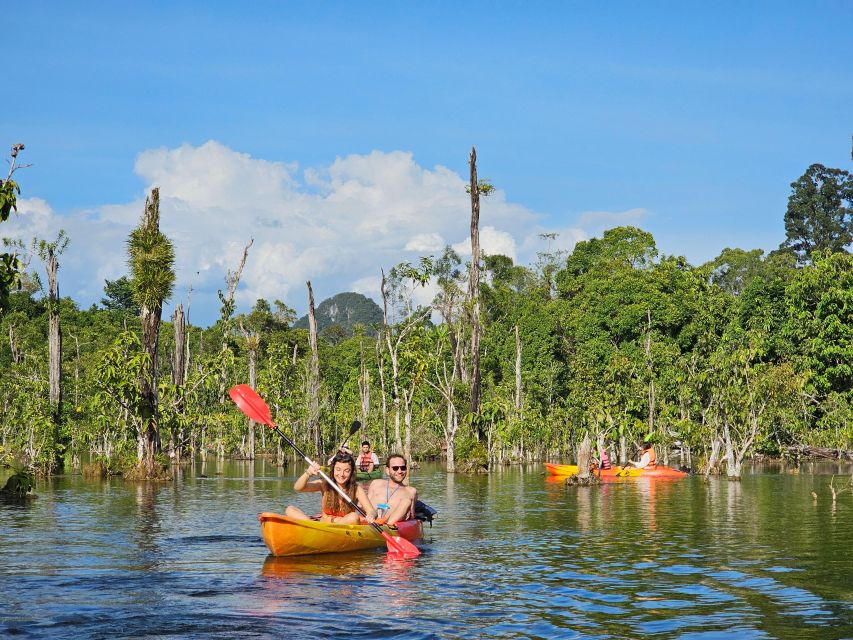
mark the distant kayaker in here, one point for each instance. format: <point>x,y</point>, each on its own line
<point>648,460</point>
<point>335,509</point>
<point>344,450</point>
<point>367,460</point>
<point>394,500</point>
<point>603,459</point>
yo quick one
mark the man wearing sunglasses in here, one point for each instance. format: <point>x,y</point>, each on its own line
<point>394,500</point>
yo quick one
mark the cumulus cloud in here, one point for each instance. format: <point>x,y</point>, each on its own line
<point>492,242</point>
<point>425,243</point>
<point>335,225</point>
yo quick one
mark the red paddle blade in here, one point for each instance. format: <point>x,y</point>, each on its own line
<point>399,546</point>
<point>251,404</point>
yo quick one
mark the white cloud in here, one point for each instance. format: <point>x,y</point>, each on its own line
<point>335,225</point>
<point>367,286</point>
<point>425,243</point>
<point>492,242</point>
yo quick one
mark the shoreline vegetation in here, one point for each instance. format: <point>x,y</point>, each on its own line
<point>614,343</point>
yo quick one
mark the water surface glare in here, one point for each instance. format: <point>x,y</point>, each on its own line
<point>511,554</point>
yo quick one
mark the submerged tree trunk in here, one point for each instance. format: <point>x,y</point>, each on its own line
<point>450,428</point>
<point>584,457</point>
<point>54,340</point>
<point>314,379</point>
<point>148,398</point>
<point>713,457</point>
<point>474,285</point>
<point>252,344</point>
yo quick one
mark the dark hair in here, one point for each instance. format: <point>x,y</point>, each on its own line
<point>391,456</point>
<point>365,443</point>
<point>647,445</point>
<point>332,501</point>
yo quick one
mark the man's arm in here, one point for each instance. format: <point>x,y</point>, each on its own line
<point>644,461</point>
<point>401,508</point>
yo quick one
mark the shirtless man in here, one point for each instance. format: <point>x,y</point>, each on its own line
<point>393,500</point>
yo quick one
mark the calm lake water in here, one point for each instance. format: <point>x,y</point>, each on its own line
<point>511,554</point>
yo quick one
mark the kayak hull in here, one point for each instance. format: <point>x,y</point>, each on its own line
<point>286,536</point>
<point>617,472</point>
<point>363,476</point>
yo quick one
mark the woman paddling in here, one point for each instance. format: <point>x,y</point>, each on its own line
<point>335,509</point>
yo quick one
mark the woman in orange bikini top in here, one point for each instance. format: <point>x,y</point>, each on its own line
<point>335,509</point>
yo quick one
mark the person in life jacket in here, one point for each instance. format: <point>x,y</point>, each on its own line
<point>367,460</point>
<point>648,460</point>
<point>603,459</point>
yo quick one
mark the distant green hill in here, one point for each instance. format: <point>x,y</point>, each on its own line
<point>344,310</point>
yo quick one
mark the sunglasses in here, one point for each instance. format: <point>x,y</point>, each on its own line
<point>402,467</point>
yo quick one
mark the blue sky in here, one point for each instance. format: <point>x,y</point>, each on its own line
<point>337,134</point>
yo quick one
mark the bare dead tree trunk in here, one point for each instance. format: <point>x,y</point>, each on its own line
<point>54,338</point>
<point>446,386</point>
<point>252,344</point>
<point>178,373</point>
<point>364,392</point>
<point>392,353</point>
<point>474,285</point>
<point>148,406</point>
<point>232,279</point>
<point>380,355</point>
<point>314,378</point>
<point>17,354</point>
<point>188,358</point>
<point>584,457</point>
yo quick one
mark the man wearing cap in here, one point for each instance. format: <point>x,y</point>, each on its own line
<point>367,460</point>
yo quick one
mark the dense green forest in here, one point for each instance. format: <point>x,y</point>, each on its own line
<point>748,353</point>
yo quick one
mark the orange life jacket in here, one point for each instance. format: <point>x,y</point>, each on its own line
<point>652,459</point>
<point>365,460</point>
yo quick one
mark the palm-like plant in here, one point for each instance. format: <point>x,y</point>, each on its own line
<point>151,259</point>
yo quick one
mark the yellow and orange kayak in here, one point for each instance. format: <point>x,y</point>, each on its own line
<point>617,472</point>
<point>288,537</point>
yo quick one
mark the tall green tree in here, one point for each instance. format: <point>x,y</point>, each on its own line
<point>820,212</point>
<point>118,296</point>
<point>151,258</point>
<point>820,323</point>
<point>9,263</point>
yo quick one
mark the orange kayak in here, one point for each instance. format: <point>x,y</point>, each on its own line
<point>617,472</point>
<point>288,537</point>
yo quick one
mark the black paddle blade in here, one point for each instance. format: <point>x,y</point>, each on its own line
<point>355,426</point>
